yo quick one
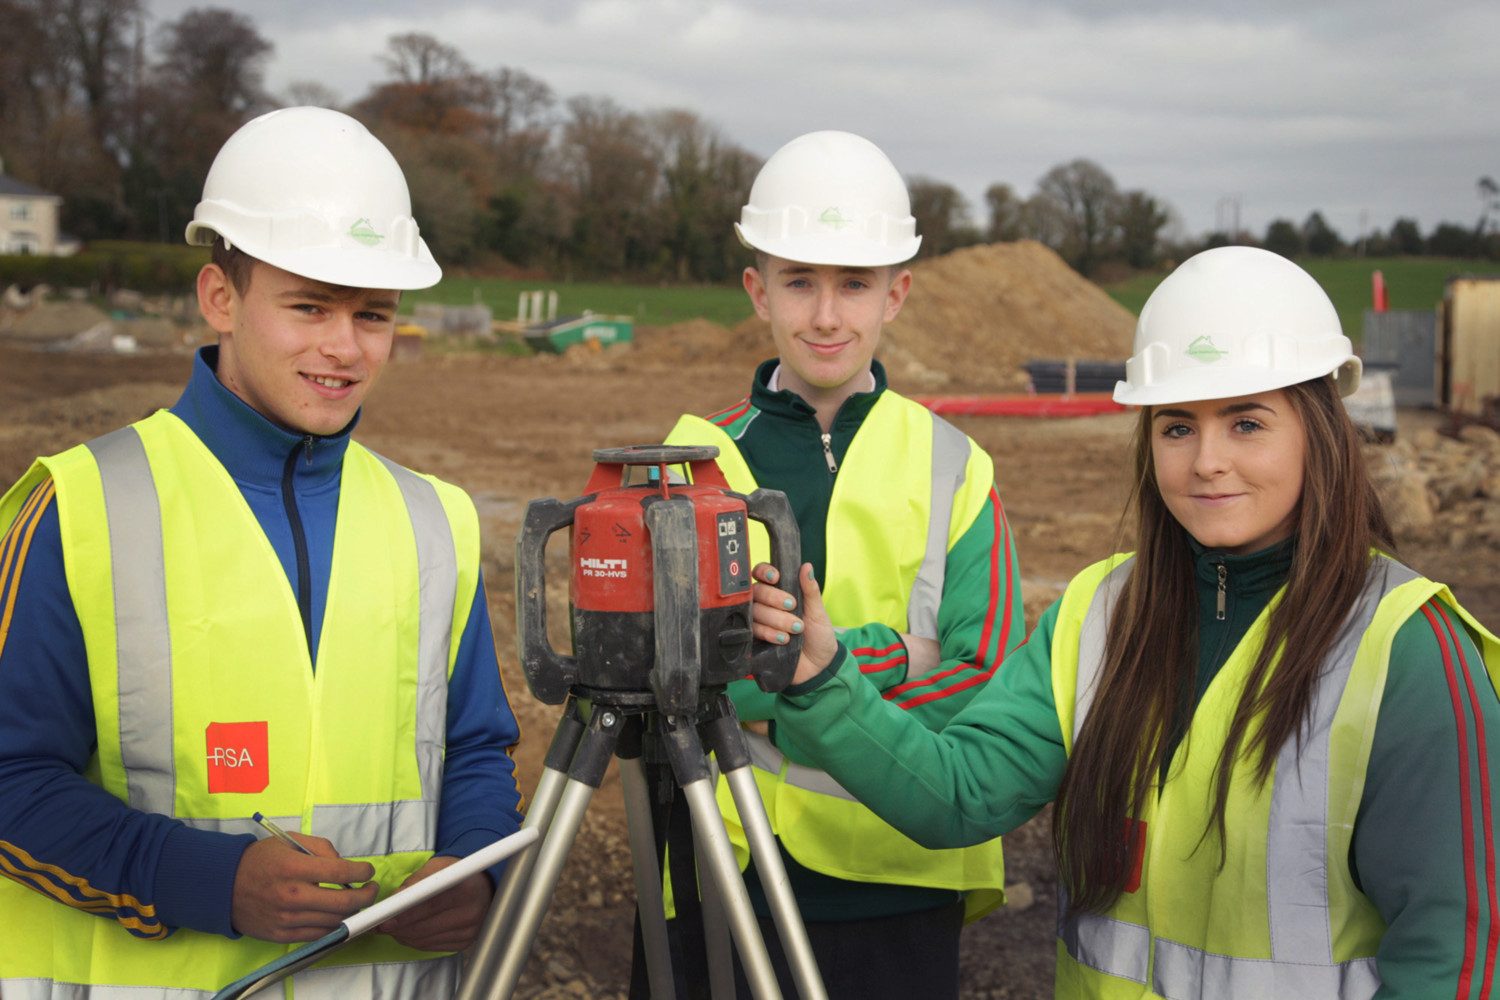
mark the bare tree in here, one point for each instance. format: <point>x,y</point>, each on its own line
<point>1088,196</point>
<point>214,60</point>
<point>309,93</point>
<point>1489,197</point>
<point>522,114</point>
<point>606,155</point>
<point>418,58</point>
<point>1005,214</point>
<point>704,179</point>
<point>96,38</point>
<point>1140,219</point>
<point>942,215</point>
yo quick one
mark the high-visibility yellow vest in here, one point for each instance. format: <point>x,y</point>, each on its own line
<point>1282,916</point>
<point>888,536</point>
<point>208,707</point>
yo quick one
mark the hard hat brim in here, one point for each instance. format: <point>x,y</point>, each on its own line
<point>832,249</point>
<point>1228,383</point>
<point>374,268</point>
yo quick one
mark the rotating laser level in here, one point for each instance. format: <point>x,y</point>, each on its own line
<point>659,585</point>
<point>660,613</point>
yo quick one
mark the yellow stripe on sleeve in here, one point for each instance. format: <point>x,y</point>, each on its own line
<point>13,551</point>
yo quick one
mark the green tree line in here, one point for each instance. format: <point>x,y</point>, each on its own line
<point>123,119</point>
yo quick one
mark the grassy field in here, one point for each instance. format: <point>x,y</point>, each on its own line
<point>656,305</point>
<point>1412,283</point>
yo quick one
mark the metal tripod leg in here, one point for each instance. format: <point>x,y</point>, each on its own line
<point>648,880</point>
<point>487,949</point>
<point>584,777</point>
<point>690,767</point>
<point>716,938</point>
<point>727,742</point>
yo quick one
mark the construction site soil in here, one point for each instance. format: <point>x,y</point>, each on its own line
<point>512,429</point>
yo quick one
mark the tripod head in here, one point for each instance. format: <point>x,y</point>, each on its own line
<point>659,584</point>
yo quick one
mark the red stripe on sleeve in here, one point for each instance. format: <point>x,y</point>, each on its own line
<point>728,416</point>
<point>879,665</point>
<point>1493,937</point>
<point>1465,809</point>
<point>868,651</point>
<point>987,664</point>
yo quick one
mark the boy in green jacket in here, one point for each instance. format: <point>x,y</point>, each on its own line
<point>900,518</point>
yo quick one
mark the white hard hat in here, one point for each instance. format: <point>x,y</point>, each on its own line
<point>1234,321</point>
<point>830,198</point>
<point>312,192</point>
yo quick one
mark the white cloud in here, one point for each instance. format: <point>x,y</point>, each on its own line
<point>1348,107</point>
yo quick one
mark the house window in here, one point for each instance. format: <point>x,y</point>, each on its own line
<point>20,211</point>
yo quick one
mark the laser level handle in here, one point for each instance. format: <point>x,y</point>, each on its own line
<point>549,674</point>
<point>773,666</point>
<point>677,669</point>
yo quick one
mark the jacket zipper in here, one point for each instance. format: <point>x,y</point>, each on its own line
<point>299,538</point>
<point>1223,578</point>
<point>833,467</point>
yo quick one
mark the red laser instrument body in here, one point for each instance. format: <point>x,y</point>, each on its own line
<point>659,582</point>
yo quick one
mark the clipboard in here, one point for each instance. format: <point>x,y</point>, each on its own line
<point>372,916</point>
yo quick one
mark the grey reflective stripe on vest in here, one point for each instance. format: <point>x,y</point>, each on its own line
<point>1301,962</point>
<point>765,756</point>
<point>368,828</point>
<point>950,463</point>
<point>144,656</point>
<point>46,989</point>
<point>430,977</point>
<point>437,572</point>
<point>143,642</point>
<point>417,979</point>
<point>1104,943</point>
<point>1091,639</point>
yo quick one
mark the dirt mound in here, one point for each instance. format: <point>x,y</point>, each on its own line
<point>976,315</point>
<point>697,341</point>
<point>1437,487</point>
<point>52,321</point>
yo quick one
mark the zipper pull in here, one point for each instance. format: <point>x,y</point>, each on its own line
<point>833,467</point>
<point>1223,577</point>
<point>307,443</point>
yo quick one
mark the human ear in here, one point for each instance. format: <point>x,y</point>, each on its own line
<point>895,295</point>
<point>215,298</point>
<point>755,287</point>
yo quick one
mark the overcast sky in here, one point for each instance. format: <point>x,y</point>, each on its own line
<point>1365,110</point>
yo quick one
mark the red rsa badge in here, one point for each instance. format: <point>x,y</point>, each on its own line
<point>238,759</point>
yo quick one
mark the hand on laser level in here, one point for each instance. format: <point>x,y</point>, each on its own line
<point>449,921</point>
<point>279,893</point>
<point>776,622</point>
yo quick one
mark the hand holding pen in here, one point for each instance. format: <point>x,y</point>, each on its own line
<point>292,842</point>
<point>283,896</point>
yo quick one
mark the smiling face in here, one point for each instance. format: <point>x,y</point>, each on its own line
<point>301,353</point>
<point>1231,470</point>
<point>825,321</point>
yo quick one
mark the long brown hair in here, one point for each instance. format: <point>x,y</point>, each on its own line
<point>1151,651</point>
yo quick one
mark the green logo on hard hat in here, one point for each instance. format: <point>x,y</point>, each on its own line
<point>833,217</point>
<point>365,233</point>
<point>1204,350</point>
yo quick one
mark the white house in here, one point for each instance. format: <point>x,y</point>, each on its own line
<point>28,220</point>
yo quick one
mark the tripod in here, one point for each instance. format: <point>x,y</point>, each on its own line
<point>661,616</point>
<point>575,766</point>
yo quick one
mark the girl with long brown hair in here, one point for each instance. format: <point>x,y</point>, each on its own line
<point>1265,737</point>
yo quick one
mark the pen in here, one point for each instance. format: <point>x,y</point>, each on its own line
<point>288,840</point>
